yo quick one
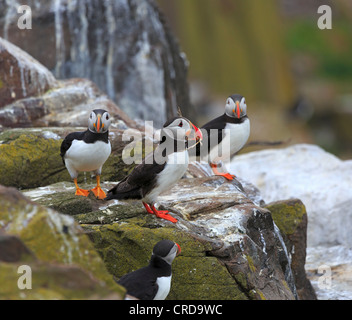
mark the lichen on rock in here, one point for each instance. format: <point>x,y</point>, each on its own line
<point>53,238</point>
<point>231,245</point>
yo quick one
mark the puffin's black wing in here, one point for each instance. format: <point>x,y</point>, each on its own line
<point>140,284</point>
<point>139,182</point>
<point>213,132</point>
<point>66,143</point>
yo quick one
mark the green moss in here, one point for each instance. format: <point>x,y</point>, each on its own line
<point>31,161</point>
<point>285,285</point>
<point>261,294</point>
<point>287,215</point>
<point>250,263</point>
<point>52,237</point>
<point>202,279</point>
<point>51,281</point>
<point>241,279</point>
<point>68,202</point>
<point>126,247</point>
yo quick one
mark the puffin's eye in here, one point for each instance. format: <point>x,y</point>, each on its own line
<point>91,116</point>
<point>180,124</point>
<point>107,116</point>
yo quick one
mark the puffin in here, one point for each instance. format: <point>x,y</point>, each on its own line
<point>88,150</point>
<point>153,282</point>
<point>225,135</point>
<point>160,169</point>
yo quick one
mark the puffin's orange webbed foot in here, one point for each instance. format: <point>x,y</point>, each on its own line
<point>99,192</point>
<point>82,192</point>
<point>226,175</point>
<point>162,214</point>
<point>79,191</point>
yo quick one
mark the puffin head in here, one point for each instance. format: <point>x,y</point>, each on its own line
<point>181,129</point>
<point>236,106</point>
<point>166,250</point>
<point>99,121</point>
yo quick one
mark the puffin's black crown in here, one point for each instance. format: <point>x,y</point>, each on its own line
<point>236,96</point>
<point>99,111</point>
<point>163,247</point>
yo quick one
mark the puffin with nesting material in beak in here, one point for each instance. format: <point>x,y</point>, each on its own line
<point>225,135</point>
<point>161,169</point>
<point>88,150</point>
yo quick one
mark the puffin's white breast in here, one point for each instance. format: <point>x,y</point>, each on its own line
<point>164,284</point>
<point>175,168</point>
<point>83,156</point>
<point>235,137</point>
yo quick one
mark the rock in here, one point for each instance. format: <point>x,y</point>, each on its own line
<point>68,104</point>
<point>44,101</point>
<point>21,75</point>
<point>323,183</point>
<point>53,282</point>
<point>307,172</point>
<point>291,218</point>
<point>12,249</point>
<point>121,49</point>
<point>241,233</point>
<point>227,240</point>
<point>30,160</point>
<point>195,275</point>
<point>329,270</point>
<point>63,261</point>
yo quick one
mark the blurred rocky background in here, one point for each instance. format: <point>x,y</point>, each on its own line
<point>296,78</point>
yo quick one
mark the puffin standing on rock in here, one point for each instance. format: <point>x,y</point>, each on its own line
<point>88,150</point>
<point>161,169</point>
<point>153,282</point>
<point>225,135</point>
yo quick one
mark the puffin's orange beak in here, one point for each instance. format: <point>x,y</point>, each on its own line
<point>178,249</point>
<point>237,110</point>
<point>198,134</point>
<point>98,125</point>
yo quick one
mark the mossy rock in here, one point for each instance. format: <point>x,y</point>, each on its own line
<point>61,197</point>
<point>291,218</point>
<point>209,267</point>
<point>52,282</point>
<point>288,214</point>
<point>196,275</point>
<point>30,161</point>
<point>52,237</point>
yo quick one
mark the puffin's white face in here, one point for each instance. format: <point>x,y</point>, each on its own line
<point>99,121</point>
<point>175,251</point>
<point>236,106</point>
<point>167,250</point>
<point>181,129</point>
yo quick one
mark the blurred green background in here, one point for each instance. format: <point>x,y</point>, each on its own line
<point>297,78</point>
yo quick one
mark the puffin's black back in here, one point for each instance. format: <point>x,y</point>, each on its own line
<point>142,282</point>
<point>143,177</point>
<point>138,183</point>
<point>219,124</point>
